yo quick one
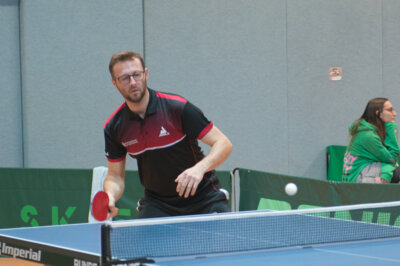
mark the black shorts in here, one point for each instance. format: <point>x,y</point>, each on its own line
<point>210,201</point>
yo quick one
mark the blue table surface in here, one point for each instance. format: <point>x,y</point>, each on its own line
<point>368,253</point>
<point>82,237</point>
<point>86,237</point>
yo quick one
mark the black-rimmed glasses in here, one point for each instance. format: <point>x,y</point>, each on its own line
<point>125,79</point>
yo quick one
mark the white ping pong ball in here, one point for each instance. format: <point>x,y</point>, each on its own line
<point>291,189</point>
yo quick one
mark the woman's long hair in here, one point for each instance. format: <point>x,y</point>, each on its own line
<point>371,115</point>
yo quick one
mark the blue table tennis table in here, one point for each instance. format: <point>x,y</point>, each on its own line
<point>252,238</point>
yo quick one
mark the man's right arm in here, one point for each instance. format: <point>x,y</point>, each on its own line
<point>114,185</point>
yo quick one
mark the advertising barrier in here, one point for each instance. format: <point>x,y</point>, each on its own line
<point>261,190</point>
<point>36,197</point>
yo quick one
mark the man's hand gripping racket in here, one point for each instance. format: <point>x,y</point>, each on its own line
<point>103,208</point>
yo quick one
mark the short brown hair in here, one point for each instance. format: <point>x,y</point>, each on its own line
<point>124,56</point>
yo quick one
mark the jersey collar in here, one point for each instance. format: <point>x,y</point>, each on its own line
<point>151,107</point>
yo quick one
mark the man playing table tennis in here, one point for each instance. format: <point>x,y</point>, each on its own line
<point>160,130</point>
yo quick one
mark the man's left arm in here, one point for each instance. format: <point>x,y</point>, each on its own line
<point>221,147</point>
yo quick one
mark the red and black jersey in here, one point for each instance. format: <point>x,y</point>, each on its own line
<point>164,142</point>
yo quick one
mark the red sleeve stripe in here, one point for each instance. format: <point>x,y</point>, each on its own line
<point>171,97</point>
<point>116,111</point>
<point>205,131</point>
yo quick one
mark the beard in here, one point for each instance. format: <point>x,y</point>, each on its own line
<point>138,96</point>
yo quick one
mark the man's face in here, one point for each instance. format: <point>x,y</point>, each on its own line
<point>388,113</point>
<point>130,80</point>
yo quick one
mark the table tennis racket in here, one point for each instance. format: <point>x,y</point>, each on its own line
<point>100,206</point>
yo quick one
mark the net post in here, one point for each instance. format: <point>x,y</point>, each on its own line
<point>105,244</point>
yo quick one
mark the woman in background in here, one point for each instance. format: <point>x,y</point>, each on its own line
<point>373,152</point>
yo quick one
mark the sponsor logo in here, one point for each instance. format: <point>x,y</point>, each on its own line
<point>15,252</point>
<point>163,132</point>
<point>78,262</point>
<point>130,142</point>
<point>367,216</point>
<point>30,215</point>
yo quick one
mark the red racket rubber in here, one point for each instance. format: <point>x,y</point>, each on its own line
<point>100,206</point>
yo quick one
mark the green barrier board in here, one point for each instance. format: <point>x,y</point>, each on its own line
<point>36,197</point>
<point>262,190</point>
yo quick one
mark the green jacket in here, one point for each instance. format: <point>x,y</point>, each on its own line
<point>367,148</point>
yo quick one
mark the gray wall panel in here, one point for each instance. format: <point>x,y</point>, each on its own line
<point>324,34</point>
<point>259,69</point>
<point>391,52</point>
<point>227,57</point>
<point>67,92</point>
<point>10,92</point>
